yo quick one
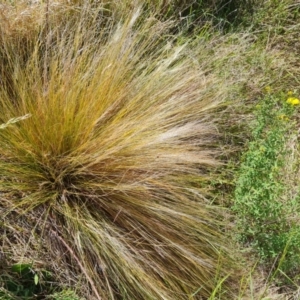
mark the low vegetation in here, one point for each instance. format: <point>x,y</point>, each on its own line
<point>266,203</point>
<point>149,150</point>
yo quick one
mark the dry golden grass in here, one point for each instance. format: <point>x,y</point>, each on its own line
<point>106,182</point>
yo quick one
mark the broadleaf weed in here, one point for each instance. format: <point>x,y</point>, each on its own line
<point>262,212</point>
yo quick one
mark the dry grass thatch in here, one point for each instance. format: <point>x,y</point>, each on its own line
<point>104,181</point>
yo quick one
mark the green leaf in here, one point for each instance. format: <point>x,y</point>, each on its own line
<point>21,268</point>
<point>36,279</point>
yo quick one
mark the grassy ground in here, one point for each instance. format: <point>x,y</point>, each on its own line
<point>149,152</point>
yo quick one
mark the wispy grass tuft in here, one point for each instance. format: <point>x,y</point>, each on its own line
<point>107,176</point>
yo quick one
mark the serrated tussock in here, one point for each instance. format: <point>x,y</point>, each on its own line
<point>106,177</point>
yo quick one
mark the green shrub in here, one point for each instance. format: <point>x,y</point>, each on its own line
<point>262,210</point>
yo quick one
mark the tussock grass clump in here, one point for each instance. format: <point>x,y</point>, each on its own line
<point>106,182</point>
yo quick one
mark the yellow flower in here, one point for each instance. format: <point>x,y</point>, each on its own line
<point>290,93</point>
<point>293,101</point>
